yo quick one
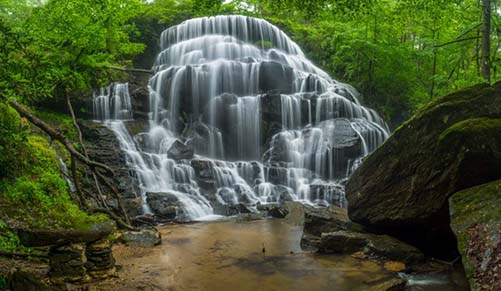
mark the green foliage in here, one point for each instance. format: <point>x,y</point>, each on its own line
<point>13,137</point>
<point>43,201</point>
<point>64,47</point>
<point>31,188</point>
<point>62,122</point>
<point>8,240</point>
<point>399,53</point>
<point>40,196</point>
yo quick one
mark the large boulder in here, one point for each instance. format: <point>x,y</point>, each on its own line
<point>163,204</point>
<point>180,151</point>
<point>318,220</point>
<point>476,222</point>
<point>451,144</point>
<point>380,246</point>
<point>144,238</point>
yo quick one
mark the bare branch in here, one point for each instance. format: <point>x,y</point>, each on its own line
<point>131,70</point>
<point>455,41</point>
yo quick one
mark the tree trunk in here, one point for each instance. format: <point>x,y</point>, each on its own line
<point>56,135</point>
<point>486,40</point>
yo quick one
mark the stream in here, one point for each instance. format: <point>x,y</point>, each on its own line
<point>228,255</point>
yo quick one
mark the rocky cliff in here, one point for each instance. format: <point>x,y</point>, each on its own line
<point>451,144</point>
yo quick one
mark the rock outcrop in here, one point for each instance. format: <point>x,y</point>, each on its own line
<point>163,205</point>
<point>403,188</point>
<point>476,222</point>
<point>324,220</point>
<point>378,246</point>
<point>103,146</point>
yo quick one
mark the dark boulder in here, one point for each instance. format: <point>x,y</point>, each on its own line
<point>275,76</point>
<point>278,211</point>
<point>451,144</point>
<point>197,136</point>
<point>318,220</point>
<point>180,151</point>
<point>379,246</point>
<point>163,204</point>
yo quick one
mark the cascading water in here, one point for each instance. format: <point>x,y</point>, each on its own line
<point>266,125</point>
<point>155,172</point>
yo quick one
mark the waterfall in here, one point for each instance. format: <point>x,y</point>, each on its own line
<point>154,171</point>
<point>265,124</point>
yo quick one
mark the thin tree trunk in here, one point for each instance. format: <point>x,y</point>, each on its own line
<point>434,68</point>
<point>131,70</point>
<point>74,175</point>
<point>116,195</point>
<point>80,139</point>
<point>434,71</point>
<point>486,40</point>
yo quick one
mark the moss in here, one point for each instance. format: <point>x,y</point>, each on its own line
<point>455,99</point>
<point>477,206</point>
<point>8,240</point>
<point>38,196</point>
<point>475,126</point>
<point>13,135</point>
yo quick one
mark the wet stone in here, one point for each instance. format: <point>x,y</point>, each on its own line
<point>144,238</point>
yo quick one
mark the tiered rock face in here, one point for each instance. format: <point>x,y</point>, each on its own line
<point>403,188</point>
<point>268,125</point>
<point>103,146</point>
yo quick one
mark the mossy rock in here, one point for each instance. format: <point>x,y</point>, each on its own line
<point>476,221</point>
<point>453,143</point>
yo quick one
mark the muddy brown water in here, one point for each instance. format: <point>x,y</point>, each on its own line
<point>228,255</point>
